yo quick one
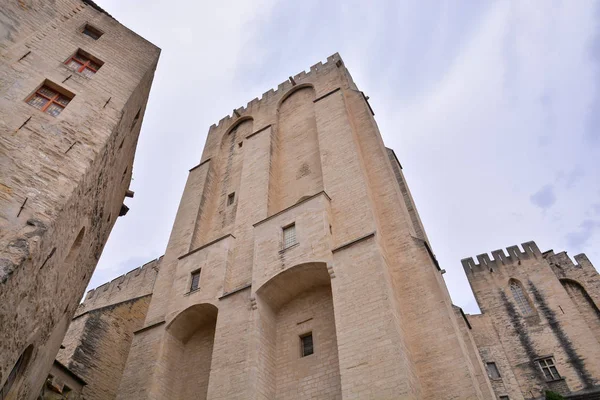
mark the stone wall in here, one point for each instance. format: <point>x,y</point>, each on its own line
<point>553,319</point>
<point>308,154</point>
<point>63,178</point>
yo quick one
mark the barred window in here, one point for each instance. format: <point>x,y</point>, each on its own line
<point>520,298</point>
<point>306,344</point>
<point>84,63</point>
<point>289,236</point>
<point>49,100</point>
<point>492,369</point>
<point>549,369</point>
<point>195,281</point>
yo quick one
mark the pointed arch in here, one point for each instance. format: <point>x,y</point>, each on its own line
<point>188,352</point>
<point>520,297</point>
<point>11,385</point>
<point>585,304</point>
<point>298,334</point>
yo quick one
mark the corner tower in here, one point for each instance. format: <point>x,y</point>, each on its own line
<point>73,90</point>
<point>298,267</point>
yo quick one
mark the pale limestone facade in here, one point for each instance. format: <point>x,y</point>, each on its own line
<point>359,277</point>
<point>63,177</point>
<point>557,318</point>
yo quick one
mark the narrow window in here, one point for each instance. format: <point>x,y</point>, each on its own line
<point>84,63</point>
<point>92,32</point>
<point>504,398</point>
<point>520,298</point>
<point>492,369</point>
<point>195,281</point>
<point>306,344</point>
<point>50,98</point>
<point>16,373</point>
<point>135,119</point>
<point>549,369</point>
<point>230,198</point>
<point>289,236</point>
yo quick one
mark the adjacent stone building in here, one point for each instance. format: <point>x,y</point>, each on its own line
<point>73,90</point>
<point>540,324</point>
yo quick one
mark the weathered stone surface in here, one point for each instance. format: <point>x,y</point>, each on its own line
<point>63,178</point>
<point>564,322</point>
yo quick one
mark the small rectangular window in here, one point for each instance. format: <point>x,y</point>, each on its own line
<point>492,369</point>
<point>289,236</point>
<point>230,198</point>
<point>50,98</point>
<point>306,344</point>
<point>84,63</point>
<point>195,281</point>
<point>504,398</point>
<point>92,32</point>
<point>549,369</point>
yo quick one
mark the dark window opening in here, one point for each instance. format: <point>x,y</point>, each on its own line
<point>92,32</point>
<point>492,369</point>
<point>50,98</point>
<point>306,344</point>
<point>195,281</point>
<point>230,198</point>
<point>84,63</point>
<point>504,398</point>
<point>135,119</point>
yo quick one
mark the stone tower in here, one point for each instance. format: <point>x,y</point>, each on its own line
<point>73,90</point>
<point>540,324</point>
<point>298,267</point>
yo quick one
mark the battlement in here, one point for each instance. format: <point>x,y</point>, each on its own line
<point>333,61</point>
<point>498,258</point>
<point>563,260</point>
<point>136,283</point>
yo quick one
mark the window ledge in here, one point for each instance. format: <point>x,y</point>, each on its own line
<point>288,248</point>
<point>191,291</point>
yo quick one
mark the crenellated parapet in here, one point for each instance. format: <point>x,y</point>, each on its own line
<point>136,283</point>
<point>499,258</point>
<point>333,61</point>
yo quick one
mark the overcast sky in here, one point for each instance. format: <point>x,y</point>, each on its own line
<point>492,108</point>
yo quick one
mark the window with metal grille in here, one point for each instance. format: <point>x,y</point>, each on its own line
<point>230,198</point>
<point>492,369</point>
<point>195,281</point>
<point>84,63</point>
<point>50,98</point>
<point>520,298</point>
<point>289,236</point>
<point>92,32</point>
<point>306,344</point>
<point>549,369</point>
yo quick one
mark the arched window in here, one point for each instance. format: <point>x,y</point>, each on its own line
<point>16,373</point>
<point>520,297</point>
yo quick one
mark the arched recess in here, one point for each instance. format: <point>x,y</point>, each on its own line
<point>11,384</point>
<point>188,352</point>
<point>292,305</point>
<point>585,304</point>
<point>296,160</point>
<point>217,212</point>
<point>520,297</point>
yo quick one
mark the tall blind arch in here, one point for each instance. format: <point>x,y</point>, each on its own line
<point>520,298</point>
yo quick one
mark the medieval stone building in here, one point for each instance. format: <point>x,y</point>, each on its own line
<point>540,324</point>
<point>298,266</point>
<point>73,90</point>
